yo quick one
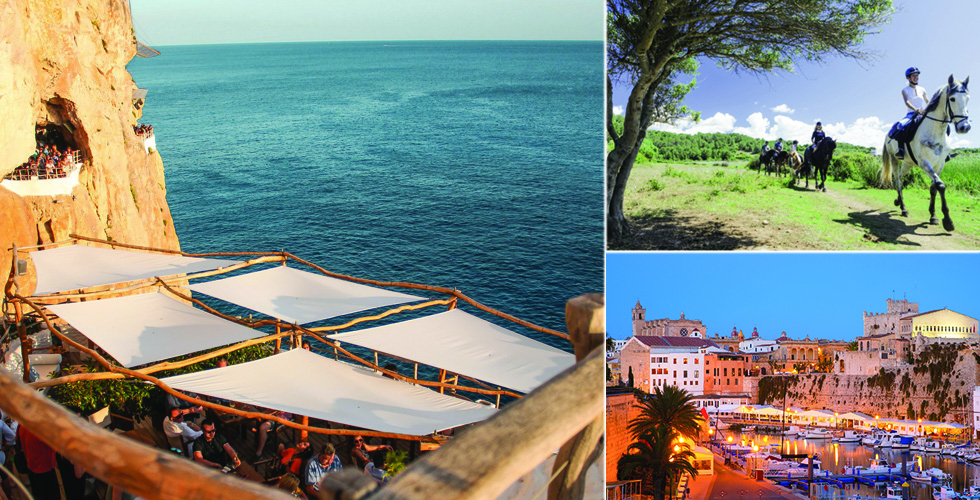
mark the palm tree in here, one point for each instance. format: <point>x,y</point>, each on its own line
<point>656,460</point>
<point>668,406</point>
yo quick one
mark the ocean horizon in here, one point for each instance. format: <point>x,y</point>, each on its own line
<point>475,165</point>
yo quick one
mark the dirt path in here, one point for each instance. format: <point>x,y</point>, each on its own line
<point>849,222</point>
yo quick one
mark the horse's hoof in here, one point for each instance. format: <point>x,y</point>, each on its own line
<point>823,189</point>
<point>905,213</point>
<point>948,224</point>
<point>897,203</point>
<point>933,221</point>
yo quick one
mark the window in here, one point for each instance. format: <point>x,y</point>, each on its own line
<point>716,372</point>
<point>727,381</point>
<point>685,373</point>
<point>736,381</point>
<point>725,370</point>
<point>685,361</point>
<point>675,373</point>
<point>696,360</point>
<point>697,374</point>
<point>675,361</point>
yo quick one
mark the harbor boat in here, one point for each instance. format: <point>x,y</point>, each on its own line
<point>932,446</point>
<point>894,492</point>
<point>850,437</point>
<point>817,434</point>
<point>791,431</point>
<point>794,469</point>
<point>881,466</point>
<point>720,424</point>
<point>900,442</point>
<point>873,439</point>
<point>944,492</point>
<point>748,428</point>
<point>932,475</point>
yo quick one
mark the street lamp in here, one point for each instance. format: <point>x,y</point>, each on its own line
<point>920,427</point>
<point>876,421</point>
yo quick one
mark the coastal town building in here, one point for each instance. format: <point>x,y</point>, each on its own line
<point>725,373</point>
<point>892,338</point>
<point>665,327</point>
<point>659,361</point>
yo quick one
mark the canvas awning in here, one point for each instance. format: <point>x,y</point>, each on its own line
<point>304,383</point>
<point>462,343</point>
<point>80,266</point>
<point>141,329</point>
<point>297,296</point>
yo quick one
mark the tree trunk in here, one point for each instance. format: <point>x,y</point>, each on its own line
<point>619,164</point>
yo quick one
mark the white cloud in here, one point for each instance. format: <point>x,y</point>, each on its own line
<point>757,126</point>
<point>720,122</point>
<point>867,132</point>
<point>617,110</point>
<point>782,108</point>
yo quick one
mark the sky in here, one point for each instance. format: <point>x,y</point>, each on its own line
<point>856,101</point>
<point>192,22</point>
<point>822,294</point>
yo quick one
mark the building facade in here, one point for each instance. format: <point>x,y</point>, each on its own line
<point>660,361</point>
<point>665,327</point>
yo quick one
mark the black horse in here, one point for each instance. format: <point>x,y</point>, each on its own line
<point>819,161</point>
<point>765,161</point>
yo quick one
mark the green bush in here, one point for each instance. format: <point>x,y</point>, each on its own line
<point>655,185</point>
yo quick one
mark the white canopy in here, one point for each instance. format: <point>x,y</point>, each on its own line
<point>141,329</point>
<point>462,343</point>
<point>305,383</point>
<point>80,266</point>
<point>297,296</point>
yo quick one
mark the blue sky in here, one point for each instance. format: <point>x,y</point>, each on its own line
<point>857,102</point>
<point>819,294</point>
<point>190,22</point>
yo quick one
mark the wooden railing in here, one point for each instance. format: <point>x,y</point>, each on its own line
<point>565,414</point>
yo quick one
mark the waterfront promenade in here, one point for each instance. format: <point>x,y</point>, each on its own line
<point>726,484</point>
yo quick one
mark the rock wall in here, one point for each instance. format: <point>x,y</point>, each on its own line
<point>64,63</point>
<point>939,385</point>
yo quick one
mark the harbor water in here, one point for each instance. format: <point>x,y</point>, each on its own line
<point>836,457</point>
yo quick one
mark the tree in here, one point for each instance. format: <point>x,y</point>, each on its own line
<point>669,407</point>
<point>852,346</point>
<point>654,459</point>
<point>630,383</point>
<point>651,43</point>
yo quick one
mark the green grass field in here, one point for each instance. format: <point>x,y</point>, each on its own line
<point>766,213</point>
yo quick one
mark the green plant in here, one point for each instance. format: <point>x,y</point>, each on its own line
<point>395,462</point>
<point>655,184</point>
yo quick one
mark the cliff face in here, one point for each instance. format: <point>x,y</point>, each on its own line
<point>938,385</point>
<point>64,66</point>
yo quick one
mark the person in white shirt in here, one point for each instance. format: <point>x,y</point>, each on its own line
<point>916,99</point>
<point>174,426</point>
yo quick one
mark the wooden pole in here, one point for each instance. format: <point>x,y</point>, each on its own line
<point>278,339</point>
<point>303,434</point>
<point>25,349</point>
<point>442,380</point>
<point>585,317</point>
<point>122,462</point>
<point>486,460</point>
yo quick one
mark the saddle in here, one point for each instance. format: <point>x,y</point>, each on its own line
<point>908,134</point>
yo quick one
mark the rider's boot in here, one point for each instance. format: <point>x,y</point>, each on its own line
<point>900,154</point>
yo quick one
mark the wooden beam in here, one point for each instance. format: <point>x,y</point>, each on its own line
<point>484,461</point>
<point>120,461</point>
<point>585,317</point>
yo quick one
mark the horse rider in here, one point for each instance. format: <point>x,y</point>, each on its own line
<point>916,99</point>
<point>779,145</point>
<point>793,154</point>
<point>765,147</point>
<point>815,139</point>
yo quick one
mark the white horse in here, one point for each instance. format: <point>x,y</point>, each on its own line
<point>928,147</point>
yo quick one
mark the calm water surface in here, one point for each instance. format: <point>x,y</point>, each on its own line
<point>836,456</point>
<point>475,165</point>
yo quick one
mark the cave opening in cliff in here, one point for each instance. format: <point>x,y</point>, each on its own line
<point>57,153</point>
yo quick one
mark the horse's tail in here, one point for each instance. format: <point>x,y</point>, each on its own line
<point>886,165</point>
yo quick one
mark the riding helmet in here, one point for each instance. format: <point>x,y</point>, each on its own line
<point>911,71</point>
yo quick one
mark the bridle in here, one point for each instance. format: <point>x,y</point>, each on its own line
<point>950,117</point>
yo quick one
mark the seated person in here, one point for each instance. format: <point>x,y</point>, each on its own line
<point>175,427</point>
<point>213,450</point>
<point>293,457</point>
<point>175,402</point>
<point>359,452</point>
<point>326,461</point>
<point>290,484</point>
<point>263,427</point>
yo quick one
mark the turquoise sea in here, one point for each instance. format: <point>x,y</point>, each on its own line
<point>475,165</point>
